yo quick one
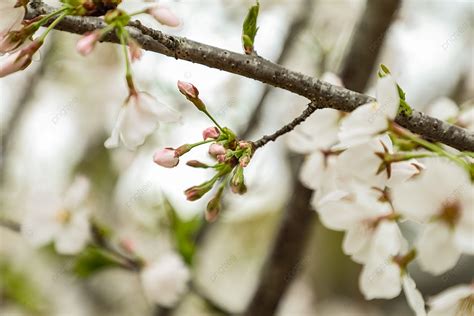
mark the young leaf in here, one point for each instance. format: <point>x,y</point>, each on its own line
<point>92,260</point>
<point>249,29</point>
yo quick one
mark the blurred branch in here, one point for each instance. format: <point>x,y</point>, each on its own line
<point>367,40</point>
<point>298,219</point>
<point>257,68</point>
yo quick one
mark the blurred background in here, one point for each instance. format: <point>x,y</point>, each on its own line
<point>56,115</point>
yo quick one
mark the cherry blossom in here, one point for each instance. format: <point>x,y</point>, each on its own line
<point>62,220</point>
<point>87,43</point>
<point>358,213</point>
<point>165,280</point>
<point>137,119</point>
<point>455,301</point>
<point>442,197</point>
<point>372,118</point>
<point>365,163</point>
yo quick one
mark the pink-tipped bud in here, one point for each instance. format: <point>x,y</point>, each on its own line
<point>166,157</point>
<point>211,132</point>
<point>213,208</point>
<point>197,164</point>
<point>19,60</point>
<point>164,15</point>
<point>216,149</point>
<point>181,150</point>
<point>135,50</point>
<point>220,158</point>
<point>87,43</point>
<point>188,89</point>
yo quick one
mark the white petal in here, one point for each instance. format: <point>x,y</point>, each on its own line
<point>319,131</point>
<point>114,140</point>
<point>73,236</point>
<point>380,279</point>
<point>437,252</point>
<point>422,197</point>
<point>361,125</point>
<point>39,229</point>
<point>76,193</point>
<point>361,163</point>
<point>312,171</point>
<point>387,240</point>
<point>165,280</point>
<point>332,78</point>
<point>464,233</point>
<point>388,97</point>
<point>446,302</point>
<point>357,242</point>
<point>401,172</point>
<point>413,296</point>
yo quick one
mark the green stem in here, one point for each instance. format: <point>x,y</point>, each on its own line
<point>122,34</point>
<point>433,147</point>
<point>52,26</point>
<point>213,120</point>
<point>201,143</point>
<point>46,18</point>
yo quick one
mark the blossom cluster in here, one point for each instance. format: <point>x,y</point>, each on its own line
<point>231,155</point>
<point>369,175</point>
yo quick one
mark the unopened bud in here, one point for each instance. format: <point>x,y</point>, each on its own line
<point>196,192</point>
<point>237,183</point>
<point>192,94</point>
<point>166,157</point>
<point>135,50</point>
<point>211,132</point>
<point>197,164</point>
<point>216,149</point>
<point>213,208</point>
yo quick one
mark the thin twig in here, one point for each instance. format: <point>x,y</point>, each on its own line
<point>288,127</point>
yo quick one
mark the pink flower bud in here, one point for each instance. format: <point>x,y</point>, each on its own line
<point>197,164</point>
<point>220,158</point>
<point>213,209</point>
<point>87,43</point>
<point>211,132</point>
<point>19,60</point>
<point>216,149</point>
<point>164,15</point>
<point>244,161</point>
<point>188,89</point>
<point>166,157</point>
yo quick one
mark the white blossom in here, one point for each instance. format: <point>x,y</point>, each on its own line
<point>62,220</point>
<point>363,163</point>
<point>455,301</point>
<point>137,119</point>
<point>165,280</point>
<point>443,109</point>
<point>359,213</point>
<point>372,118</point>
<point>442,196</point>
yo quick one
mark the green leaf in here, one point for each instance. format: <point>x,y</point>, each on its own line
<point>16,286</point>
<point>249,28</point>
<point>93,260</point>
<point>183,233</point>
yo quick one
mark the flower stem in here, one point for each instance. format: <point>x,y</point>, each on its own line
<point>52,25</point>
<point>123,35</point>
<point>213,120</point>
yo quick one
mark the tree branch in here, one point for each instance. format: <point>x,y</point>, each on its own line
<point>257,68</point>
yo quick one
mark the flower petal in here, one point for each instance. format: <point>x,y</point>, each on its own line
<point>388,97</point>
<point>414,298</point>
